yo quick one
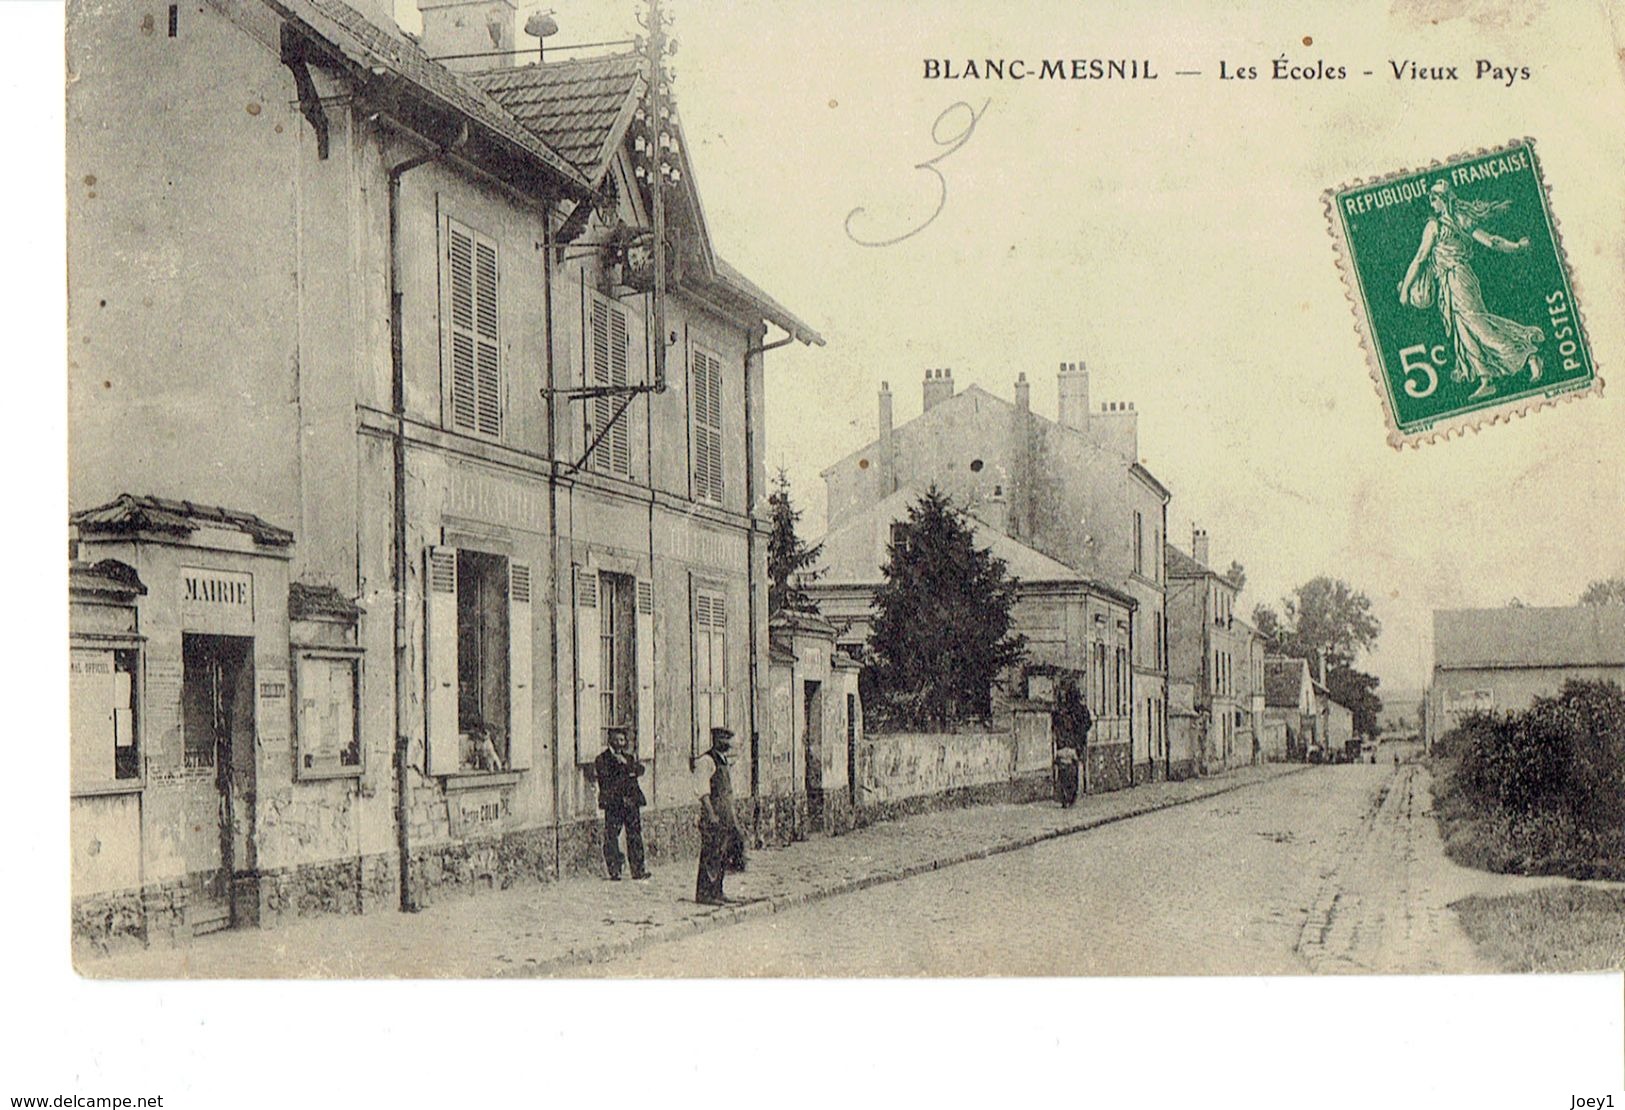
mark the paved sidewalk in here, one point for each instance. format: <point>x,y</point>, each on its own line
<point>550,928</point>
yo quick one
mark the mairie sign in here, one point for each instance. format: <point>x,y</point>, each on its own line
<point>216,600</point>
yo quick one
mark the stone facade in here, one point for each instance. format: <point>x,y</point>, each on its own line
<point>1071,489</point>
<point>393,339</point>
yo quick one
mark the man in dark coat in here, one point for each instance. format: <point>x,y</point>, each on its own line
<point>718,823</point>
<point>621,799</point>
<point>1072,724</point>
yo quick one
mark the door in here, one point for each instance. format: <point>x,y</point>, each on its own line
<point>217,721</point>
<point>812,704</point>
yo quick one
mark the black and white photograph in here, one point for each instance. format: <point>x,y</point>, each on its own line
<point>1102,513</point>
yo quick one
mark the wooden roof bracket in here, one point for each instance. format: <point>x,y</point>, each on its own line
<point>310,103</point>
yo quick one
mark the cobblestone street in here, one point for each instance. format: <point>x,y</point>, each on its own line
<point>1336,869</point>
<point>1267,870</point>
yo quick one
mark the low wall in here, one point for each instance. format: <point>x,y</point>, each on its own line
<point>1108,767</point>
<point>897,766</point>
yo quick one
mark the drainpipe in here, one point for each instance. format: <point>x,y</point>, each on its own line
<point>552,527</point>
<point>397,363</point>
<point>753,352</point>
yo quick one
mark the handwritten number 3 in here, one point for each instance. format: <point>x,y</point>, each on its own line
<point>953,143</point>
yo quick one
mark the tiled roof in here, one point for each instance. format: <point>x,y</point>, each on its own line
<point>1283,681</point>
<point>1573,636</point>
<point>580,108</point>
<point>307,602</point>
<point>574,106</point>
<point>374,46</point>
<point>1181,565</point>
<point>127,514</point>
<point>108,576</point>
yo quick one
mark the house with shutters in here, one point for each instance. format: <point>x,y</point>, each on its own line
<point>382,509</point>
<point>1073,490</point>
<point>1218,655</point>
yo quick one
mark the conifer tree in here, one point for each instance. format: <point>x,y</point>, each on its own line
<point>789,560</point>
<point>942,621</point>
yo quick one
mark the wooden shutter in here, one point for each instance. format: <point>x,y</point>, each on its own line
<point>475,347</point>
<point>707,404</point>
<point>442,740</point>
<point>488,407</point>
<point>645,632</point>
<point>609,344</point>
<point>589,712</point>
<point>710,664</point>
<point>520,714</point>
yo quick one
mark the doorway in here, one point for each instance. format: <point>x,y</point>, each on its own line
<point>217,722</point>
<point>812,704</point>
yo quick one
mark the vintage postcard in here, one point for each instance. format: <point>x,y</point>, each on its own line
<point>868,493</point>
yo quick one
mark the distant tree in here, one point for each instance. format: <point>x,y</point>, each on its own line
<point>942,621</point>
<point>1327,621</point>
<point>1357,692</point>
<point>789,560</point>
<point>1237,574</point>
<point>1268,623</point>
<point>1604,591</point>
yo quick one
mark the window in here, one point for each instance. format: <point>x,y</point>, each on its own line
<point>609,348</point>
<point>102,732</point>
<point>899,533</point>
<point>706,388</point>
<point>1156,554</point>
<point>614,660</point>
<point>326,727</point>
<point>1122,700</point>
<point>1099,691</point>
<point>478,647</point>
<point>473,348</point>
<point>1139,543</point>
<point>710,662</point>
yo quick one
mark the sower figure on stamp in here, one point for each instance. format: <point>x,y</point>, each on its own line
<point>718,823</point>
<point>621,799</point>
<point>1072,724</point>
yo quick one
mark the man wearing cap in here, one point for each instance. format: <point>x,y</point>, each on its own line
<point>621,799</point>
<point>718,824</point>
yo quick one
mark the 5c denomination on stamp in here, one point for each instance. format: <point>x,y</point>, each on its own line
<point>1461,292</point>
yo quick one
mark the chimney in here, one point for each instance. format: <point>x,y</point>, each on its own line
<point>484,27</point>
<point>1199,546</point>
<point>939,387</point>
<point>886,471</point>
<point>1073,388</point>
<point>1117,427</point>
<point>1024,393</point>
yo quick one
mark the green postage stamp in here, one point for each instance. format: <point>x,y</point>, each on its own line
<point>1461,292</point>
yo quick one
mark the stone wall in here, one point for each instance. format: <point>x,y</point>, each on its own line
<point>1108,767</point>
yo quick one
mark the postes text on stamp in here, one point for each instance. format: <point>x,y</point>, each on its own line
<point>1461,292</point>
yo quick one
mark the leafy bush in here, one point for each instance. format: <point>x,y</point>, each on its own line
<point>1542,791</point>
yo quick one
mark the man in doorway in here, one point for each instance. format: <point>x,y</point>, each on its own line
<point>621,799</point>
<point>718,823</point>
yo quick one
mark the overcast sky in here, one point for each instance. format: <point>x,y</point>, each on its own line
<point>1170,234</point>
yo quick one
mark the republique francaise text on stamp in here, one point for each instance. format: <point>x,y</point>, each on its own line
<point>1461,292</point>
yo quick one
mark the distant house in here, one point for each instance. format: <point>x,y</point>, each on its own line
<point>1071,622</point>
<point>1211,650</point>
<point>1290,712</point>
<point>1336,723</point>
<point>1502,659</point>
<point>1072,488</point>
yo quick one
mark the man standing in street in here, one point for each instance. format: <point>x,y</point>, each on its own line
<point>1072,724</point>
<point>621,799</point>
<point>718,824</point>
